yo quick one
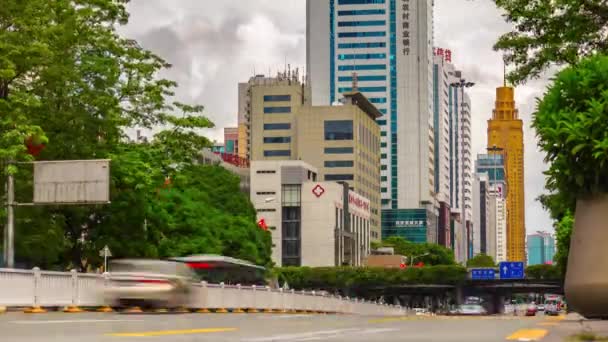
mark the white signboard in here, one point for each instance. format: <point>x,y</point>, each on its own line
<point>72,181</point>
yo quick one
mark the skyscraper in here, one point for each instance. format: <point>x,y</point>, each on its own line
<point>481,213</point>
<point>493,166</point>
<point>386,46</point>
<point>505,136</point>
<point>541,248</point>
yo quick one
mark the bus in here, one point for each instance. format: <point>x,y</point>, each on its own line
<point>217,269</point>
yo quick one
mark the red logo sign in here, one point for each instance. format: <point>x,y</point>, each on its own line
<point>318,191</point>
<point>358,202</point>
<point>445,53</point>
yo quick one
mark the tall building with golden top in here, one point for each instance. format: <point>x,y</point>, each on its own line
<point>505,136</point>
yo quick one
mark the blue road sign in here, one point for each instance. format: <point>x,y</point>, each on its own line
<point>511,270</point>
<point>483,274</point>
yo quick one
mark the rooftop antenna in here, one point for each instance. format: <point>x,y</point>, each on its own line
<point>504,71</point>
<point>355,82</point>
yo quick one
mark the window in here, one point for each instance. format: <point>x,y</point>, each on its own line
<point>359,2</point>
<point>266,210</point>
<point>277,153</point>
<point>338,150</point>
<point>339,177</point>
<point>383,144</point>
<point>339,163</point>
<point>338,130</point>
<point>377,99</point>
<point>265,193</point>
<point>265,171</point>
<point>277,98</point>
<point>383,178</point>
<point>362,23</point>
<point>383,133</point>
<point>363,89</point>
<point>277,126</point>
<point>361,34</point>
<point>361,46</point>
<point>277,140</point>
<point>383,190</point>
<point>277,110</point>
<point>383,155</point>
<point>381,122</point>
<point>362,67</point>
<point>362,12</point>
<point>346,57</point>
<point>382,167</point>
<point>290,195</point>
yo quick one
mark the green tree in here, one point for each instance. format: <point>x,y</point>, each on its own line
<point>547,33</point>
<point>65,71</point>
<point>546,272</point>
<point>428,253</point>
<point>563,232</point>
<point>481,260</point>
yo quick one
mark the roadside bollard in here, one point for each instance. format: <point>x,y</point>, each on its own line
<point>36,304</point>
<point>269,308</point>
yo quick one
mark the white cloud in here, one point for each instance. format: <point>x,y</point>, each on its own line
<point>215,45</point>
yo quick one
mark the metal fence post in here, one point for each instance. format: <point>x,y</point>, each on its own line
<point>73,307</point>
<point>36,308</point>
<point>205,295</point>
<point>105,278</point>
<point>254,305</point>
<point>222,308</point>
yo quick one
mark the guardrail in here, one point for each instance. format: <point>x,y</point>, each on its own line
<point>35,288</point>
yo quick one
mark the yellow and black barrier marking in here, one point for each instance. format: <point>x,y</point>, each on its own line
<point>105,309</point>
<point>252,310</point>
<point>221,310</point>
<point>203,310</point>
<point>34,309</point>
<point>72,309</point>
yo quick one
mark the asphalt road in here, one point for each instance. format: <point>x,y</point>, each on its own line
<point>100,327</point>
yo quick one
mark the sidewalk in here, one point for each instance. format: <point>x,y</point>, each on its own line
<point>574,324</point>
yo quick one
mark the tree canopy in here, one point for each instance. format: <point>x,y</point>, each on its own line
<point>481,260</point>
<point>428,253</point>
<point>68,79</point>
<point>547,33</point>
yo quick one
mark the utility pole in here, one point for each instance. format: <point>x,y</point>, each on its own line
<point>9,243</point>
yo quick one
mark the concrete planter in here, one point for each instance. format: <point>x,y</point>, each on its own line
<point>587,276</point>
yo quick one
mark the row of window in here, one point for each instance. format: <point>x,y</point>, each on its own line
<point>339,163</point>
<point>361,45</point>
<point>360,2</point>
<point>361,67</point>
<point>277,153</point>
<point>339,150</point>
<point>338,130</point>
<point>277,110</point>
<point>339,177</point>
<point>277,140</point>
<point>362,12</point>
<point>363,89</point>
<point>361,34</point>
<point>361,23</point>
<point>276,126</point>
<point>277,98</point>
<point>362,78</point>
<point>345,57</point>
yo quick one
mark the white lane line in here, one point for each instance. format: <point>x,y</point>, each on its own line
<point>302,336</point>
<point>78,321</point>
<point>377,331</point>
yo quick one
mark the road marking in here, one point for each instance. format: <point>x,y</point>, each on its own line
<point>528,335</point>
<point>173,332</point>
<point>71,321</point>
<point>308,336</point>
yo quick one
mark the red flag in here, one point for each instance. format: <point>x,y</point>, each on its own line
<point>262,224</point>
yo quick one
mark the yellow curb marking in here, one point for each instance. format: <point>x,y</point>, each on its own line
<point>528,335</point>
<point>173,332</point>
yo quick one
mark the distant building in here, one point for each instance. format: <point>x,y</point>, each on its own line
<point>481,213</point>
<point>231,140</point>
<point>341,141</point>
<point>312,223</point>
<point>541,248</point>
<point>500,204</point>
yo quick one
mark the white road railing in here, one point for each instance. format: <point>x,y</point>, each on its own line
<point>36,288</point>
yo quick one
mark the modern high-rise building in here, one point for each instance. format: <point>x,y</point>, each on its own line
<point>386,45</point>
<point>505,136</point>
<point>481,213</point>
<point>342,140</point>
<point>541,248</point>
<point>493,165</point>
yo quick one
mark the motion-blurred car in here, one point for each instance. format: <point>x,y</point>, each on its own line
<point>149,283</point>
<point>552,309</point>
<point>531,310</point>
<point>470,310</point>
<point>541,307</point>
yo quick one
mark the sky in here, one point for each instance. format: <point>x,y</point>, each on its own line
<point>214,45</point>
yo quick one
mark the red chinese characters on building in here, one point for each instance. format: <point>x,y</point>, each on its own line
<point>445,53</point>
<point>358,202</point>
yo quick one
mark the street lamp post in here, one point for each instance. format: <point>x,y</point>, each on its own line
<point>462,84</point>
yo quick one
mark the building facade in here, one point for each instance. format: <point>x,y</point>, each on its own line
<point>386,45</point>
<point>231,140</point>
<point>541,248</point>
<point>481,213</point>
<point>342,141</point>
<point>501,228</point>
<point>493,165</point>
<point>312,223</point>
<point>505,136</point>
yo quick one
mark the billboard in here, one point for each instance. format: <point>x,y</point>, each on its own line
<point>72,182</point>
